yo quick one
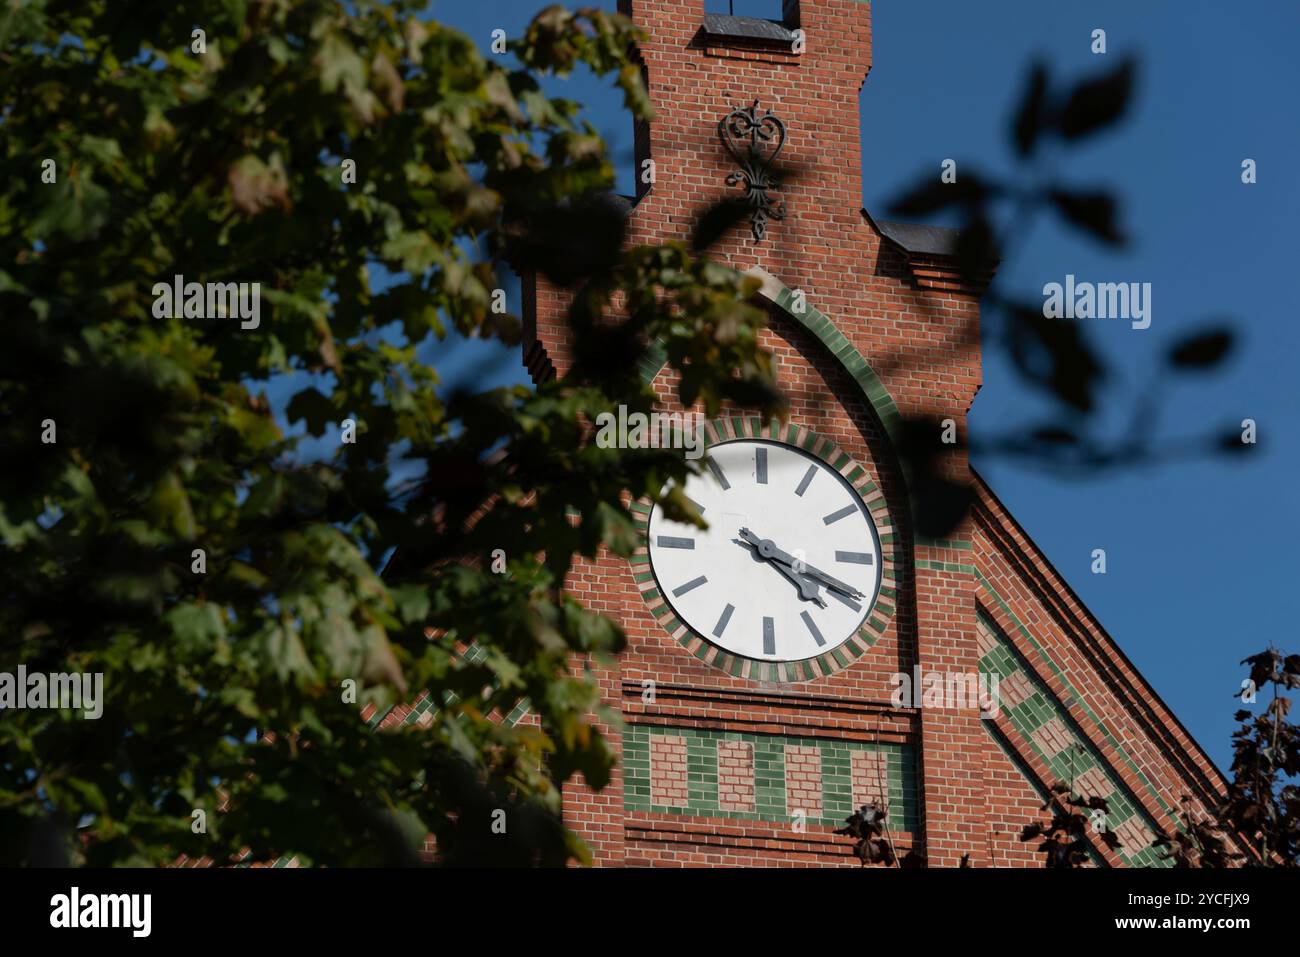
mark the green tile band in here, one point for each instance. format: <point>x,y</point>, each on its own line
<point>768,752</point>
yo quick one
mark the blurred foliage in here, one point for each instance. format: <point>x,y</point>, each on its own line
<point>1054,358</point>
<point>1199,841</point>
<point>1263,801</point>
<point>224,166</point>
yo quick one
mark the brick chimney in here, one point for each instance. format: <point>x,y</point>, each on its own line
<point>806,69</point>
<point>890,288</point>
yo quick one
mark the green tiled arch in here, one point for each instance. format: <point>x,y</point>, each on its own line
<point>874,391</point>
<point>825,331</point>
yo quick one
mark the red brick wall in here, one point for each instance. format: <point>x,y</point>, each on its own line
<point>1011,803</point>
<point>736,776</point>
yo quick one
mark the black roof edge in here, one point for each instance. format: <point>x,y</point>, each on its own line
<point>615,201</point>
<point>750,28</point>
<point>916,238</point>
<point>625,203</point>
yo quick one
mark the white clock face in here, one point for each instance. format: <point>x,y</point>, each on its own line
<point>789,566</point>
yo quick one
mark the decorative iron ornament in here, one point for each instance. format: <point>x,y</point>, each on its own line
<point>755,139</point>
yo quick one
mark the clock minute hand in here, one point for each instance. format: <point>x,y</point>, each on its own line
<point>767,548</point>
<point>831,582</point>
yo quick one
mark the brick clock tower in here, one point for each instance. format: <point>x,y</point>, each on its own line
<point>756,694</point>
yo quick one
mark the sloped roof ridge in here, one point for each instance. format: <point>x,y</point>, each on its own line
<point>1136,681</point>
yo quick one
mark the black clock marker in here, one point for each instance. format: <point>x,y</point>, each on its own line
<point>844,512</point>
<point>857,558</point>
<point>721,626</point>
<point>693,583</point>
<point>803,482</point>
<point>835,593</point>
<point>718,474</point>
<point>812,627</point>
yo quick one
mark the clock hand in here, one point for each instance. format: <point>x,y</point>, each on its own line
<point>830,582</point>
<point>767,548</point>
<point>808,589</point>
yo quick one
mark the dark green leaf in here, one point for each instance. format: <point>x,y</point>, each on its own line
<point>1202,350</point>
<point>1031,114</point>
<point>1097,103</point>
<point>1093,212</point>
<point>313,406</point>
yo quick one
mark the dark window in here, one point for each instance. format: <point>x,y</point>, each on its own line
<point>763,9</point>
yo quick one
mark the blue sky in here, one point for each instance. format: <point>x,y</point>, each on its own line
<point>1201,556</point>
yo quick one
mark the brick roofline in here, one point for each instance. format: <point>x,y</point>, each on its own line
<point>1125,668</point>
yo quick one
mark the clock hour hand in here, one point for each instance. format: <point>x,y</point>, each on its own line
<point>767,548</point>
<point>808,589</point>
